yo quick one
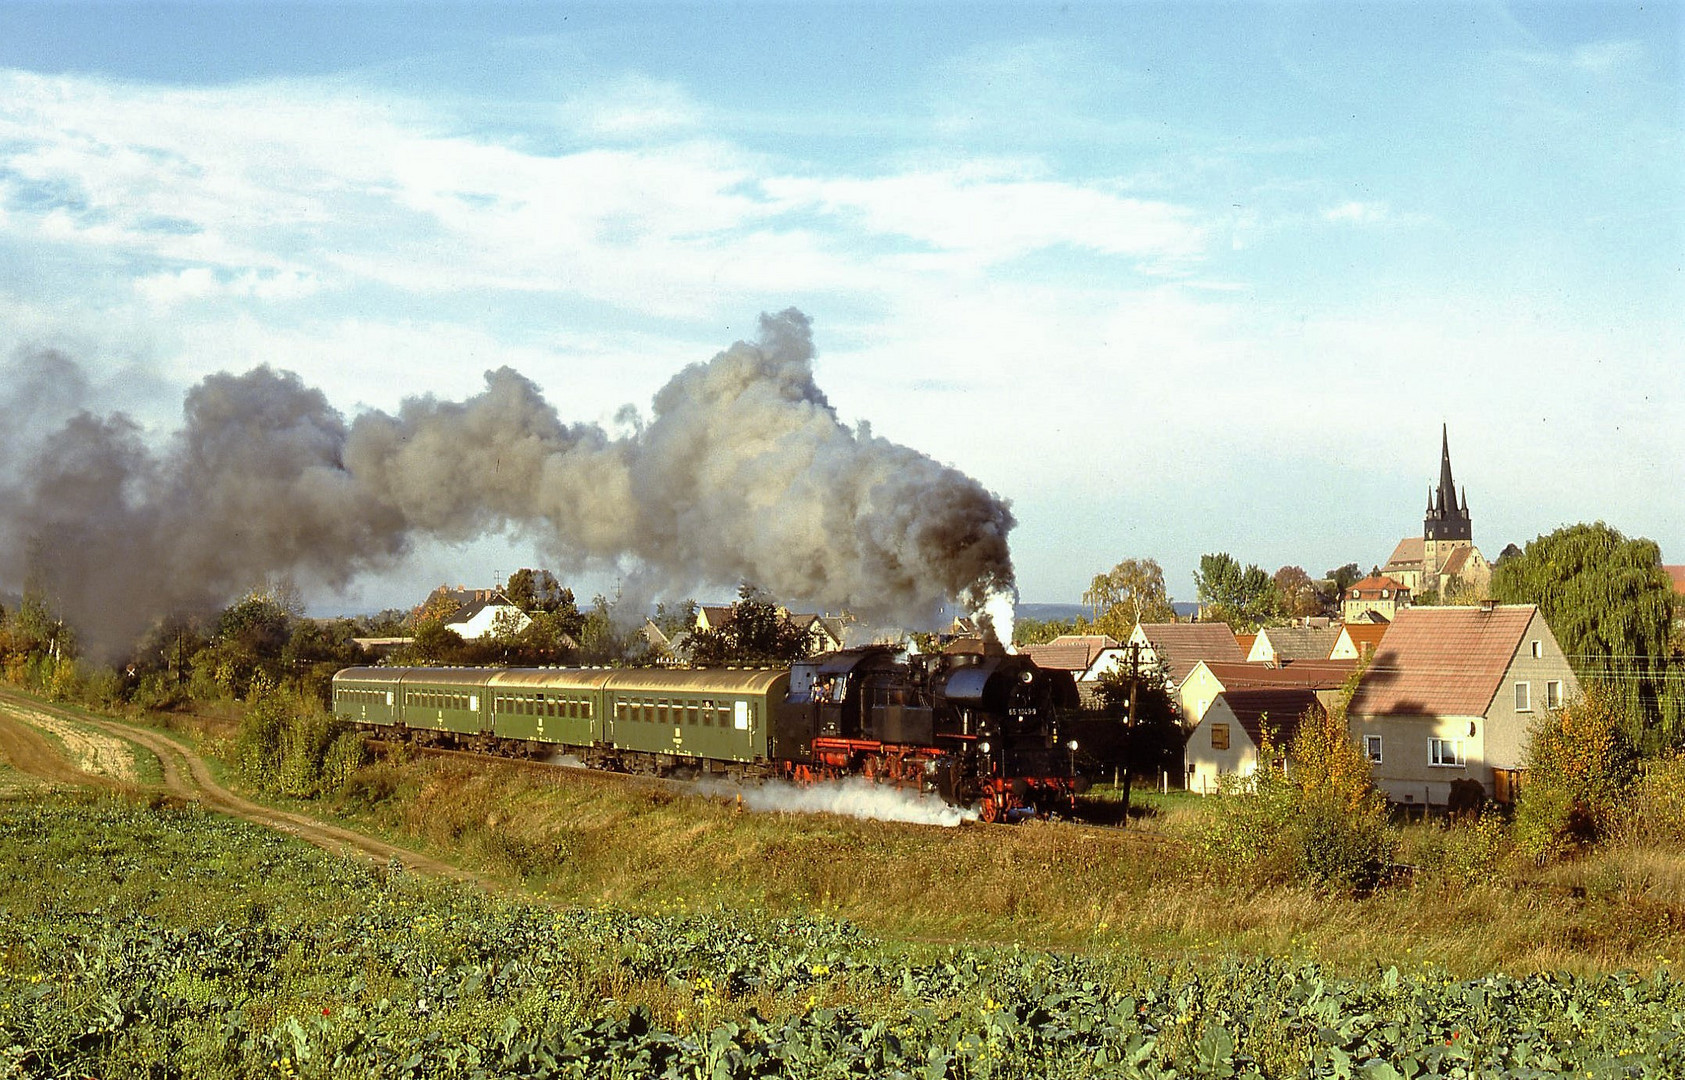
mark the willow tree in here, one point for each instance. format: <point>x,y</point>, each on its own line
<point>1610,605</point>
<point>1129,593</point>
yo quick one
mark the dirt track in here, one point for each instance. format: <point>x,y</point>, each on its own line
<point>186,776</point>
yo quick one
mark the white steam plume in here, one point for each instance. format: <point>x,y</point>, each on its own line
<point>855,797</point>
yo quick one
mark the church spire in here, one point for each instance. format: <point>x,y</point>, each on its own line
<point>1447,489</point>
<point>1446,518</point>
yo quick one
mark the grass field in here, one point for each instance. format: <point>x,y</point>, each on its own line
<point>158,941</point>
<point>1468,907</point>
<point>637,930</point>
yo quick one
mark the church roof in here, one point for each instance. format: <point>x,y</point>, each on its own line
<point>1408,554</point>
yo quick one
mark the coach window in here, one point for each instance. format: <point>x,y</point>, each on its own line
<point>741,720</point>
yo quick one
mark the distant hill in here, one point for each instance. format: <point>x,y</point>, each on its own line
<point>1185,609</point>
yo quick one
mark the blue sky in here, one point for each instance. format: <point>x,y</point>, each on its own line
<point>1171,278</point>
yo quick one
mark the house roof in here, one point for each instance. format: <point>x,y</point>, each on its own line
<point>467,612</point>
<point>1277,708</point>
<point>1070,652</point>
<point>1301,642</point>
<point>1305,675</point>
<point>1442,661</point>
<point>713,616</point>
<point>1245,642</point>
<point>1676,574</point>
<point>1409,553</point>
<point>1182,645</point>
<point>1454,562</point>
<point>1365,634</point>
<point>1372,585</point>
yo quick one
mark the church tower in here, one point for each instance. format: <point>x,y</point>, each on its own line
<point>1446,526</point>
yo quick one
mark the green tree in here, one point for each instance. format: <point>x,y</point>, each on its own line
<point>1344,577</point>
<point>1296,593</point>
<point>1610,605</point>
<point>1243,598</point>
<point>1028,631</point>
<point>757,634</point>
<point>1129,593</point>
<point>537,590</point>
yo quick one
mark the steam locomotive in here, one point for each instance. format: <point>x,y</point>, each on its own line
<point>979,729</point>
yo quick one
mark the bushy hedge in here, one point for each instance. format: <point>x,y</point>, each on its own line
<point>1310,814</point>
<point>1580,767</point>
<point>289,745</point>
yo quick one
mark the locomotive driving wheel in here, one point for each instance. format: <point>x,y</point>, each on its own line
<point>991,809</point>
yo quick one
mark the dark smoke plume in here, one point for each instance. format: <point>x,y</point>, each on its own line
<point>742,472</point>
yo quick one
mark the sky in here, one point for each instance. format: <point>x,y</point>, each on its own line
<point>1172,279</point>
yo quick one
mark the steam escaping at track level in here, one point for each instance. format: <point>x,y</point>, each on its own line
<point>743,472</point>
<point>852,797</point>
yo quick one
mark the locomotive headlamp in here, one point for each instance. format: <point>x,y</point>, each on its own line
<point>1072,745</point>
<point>983,746</point>
<point>1026,676</point>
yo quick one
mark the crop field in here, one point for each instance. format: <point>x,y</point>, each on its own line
<point>163,941</point>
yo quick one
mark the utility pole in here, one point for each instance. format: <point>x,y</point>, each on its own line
<point>1129,725</point>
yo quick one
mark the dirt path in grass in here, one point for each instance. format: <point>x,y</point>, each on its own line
<point>29,751</point>
<point>186,776</point>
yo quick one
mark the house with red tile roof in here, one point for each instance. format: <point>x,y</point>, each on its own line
<point>1377,594</point>
<point>1357,640</point>
<point>1210,679</point>
<point>1227,741</point>
<point>1453,694</point>
<point>1070,652</point>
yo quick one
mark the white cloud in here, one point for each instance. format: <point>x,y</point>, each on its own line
<point>1602,57</point>
<point>1355,212</point>
<point>993,219</point>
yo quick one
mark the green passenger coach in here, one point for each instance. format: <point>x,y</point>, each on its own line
<point>641,719</point>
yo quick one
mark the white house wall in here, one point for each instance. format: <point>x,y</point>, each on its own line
<point>1206,764</point>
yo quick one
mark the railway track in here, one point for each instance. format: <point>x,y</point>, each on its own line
<point>558,770</point>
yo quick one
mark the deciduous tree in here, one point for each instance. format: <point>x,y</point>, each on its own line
<point>1129,593</point>
<point>1610,605</point>
<point>1243,598</point>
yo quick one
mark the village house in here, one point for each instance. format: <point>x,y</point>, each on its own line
<point>1175,647</point>
<point>1376,595</point>
<point>825,633</point>
<point>477,618</point>
<point>1358,640</point>
<point>1452,694</point>
<point>1210,679</point>
<point>1228,740</point>
<point>1278,645</point>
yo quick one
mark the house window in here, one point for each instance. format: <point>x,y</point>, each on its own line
<point>1372,747</point>
<point>1445,752</point>
<point>1523,697</point>
<point>1553,695</point>
<point>1383,594</point>
<point>1219,736</point>
<point>1538,650</point>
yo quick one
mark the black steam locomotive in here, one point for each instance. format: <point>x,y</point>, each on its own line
<point>980,729</point>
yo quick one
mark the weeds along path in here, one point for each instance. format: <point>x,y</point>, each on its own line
<point>187,776</point>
